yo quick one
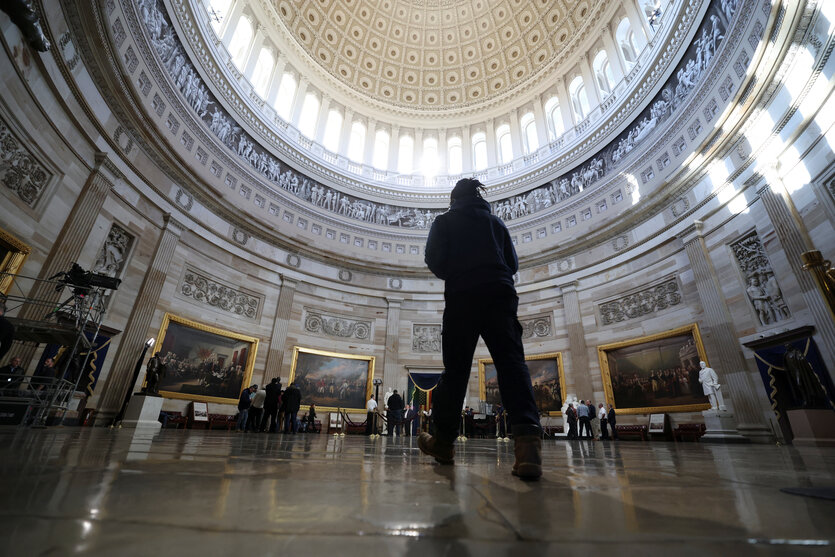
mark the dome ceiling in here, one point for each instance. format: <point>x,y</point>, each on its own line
<point>436,54</point>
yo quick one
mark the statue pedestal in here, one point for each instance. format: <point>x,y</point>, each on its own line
<point>143,412</point>
<point>721,428</point>
<point>815,428</point>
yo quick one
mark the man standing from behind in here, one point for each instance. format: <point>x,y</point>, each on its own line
<point>243,407</point>
<point>395,413</point>
<point>292,402</point>
<point>271,405</point>
<point>583,418</point>
<point>256,410</point>
<point>471,250</point>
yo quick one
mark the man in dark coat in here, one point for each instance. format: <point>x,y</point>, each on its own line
<point>292,402</point>
<point>471,250</point>
<point>271,404</point>
<point>613,422</point>
<point>243,406</point>
<point>395,413</point>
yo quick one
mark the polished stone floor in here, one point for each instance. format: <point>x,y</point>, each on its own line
<point>94,491</point>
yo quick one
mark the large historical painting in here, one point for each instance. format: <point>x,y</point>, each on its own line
<point>204,363</point>
<point>332,380</point>
<point>657,373</point>
<point>547,377</point>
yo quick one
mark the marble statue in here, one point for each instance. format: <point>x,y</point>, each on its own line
<point>711,387</point>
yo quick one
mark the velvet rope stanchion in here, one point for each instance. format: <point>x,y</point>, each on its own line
<point>504,439</point>
<point>462,437</point>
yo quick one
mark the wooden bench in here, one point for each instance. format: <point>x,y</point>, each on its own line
<point>683,432</point>
<point>632,431</point>
<point>221,420</point>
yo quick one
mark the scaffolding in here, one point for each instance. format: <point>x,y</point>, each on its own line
<point>73,324</point>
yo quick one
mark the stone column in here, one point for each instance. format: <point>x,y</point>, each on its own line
<point>298,102</point>
<point>592,87</point>
<point>541,122</point>
<point>515,135</point>
<point>230,23</point>
<point>493,154</point>
<point>139,323</point>
<point>278,340</point>
<point>577,375</point>
<point>66,250</point>
<point>368,151</point>
<point>391,372</point>
<point>394,149</point>
<point>613,54</point>
<point>795,241</point>
<point>443,153</point>
<point>565,105</point>
<point>275,82</point>
<point>322,119</point>
<point>466,150</point>
<point>345,133</point>
<point>720,339</point>
<point>253,52</point>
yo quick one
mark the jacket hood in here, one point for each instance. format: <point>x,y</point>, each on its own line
<point>469,204</point>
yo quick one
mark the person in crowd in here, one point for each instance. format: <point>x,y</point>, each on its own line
<point>604,421</point>
<point>412,420</point>
<point>593,421</point>
<point>6,329</point>
<point>279,427</point>
<point>370,422</point>
<point>292,403</point>
<point>11,376</point>
<point>612,416</point>
<point>395,414</point>
<point>311,419</point>
<point>256,410</point>
<point>471,251</point>
<point>583,419</point>
<point>501,421</point>
<point>273,390</point>
<point>572,421</point>
<point>243,407</point>
<point>43,376</point>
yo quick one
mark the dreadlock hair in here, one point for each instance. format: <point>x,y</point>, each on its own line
<point>466,187</point>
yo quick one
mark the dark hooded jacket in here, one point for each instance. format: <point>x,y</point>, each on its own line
<point>470,249</point>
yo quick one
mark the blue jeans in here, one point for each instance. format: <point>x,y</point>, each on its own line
<point>242,416</point>
<point>490,314</point>
<point>289,419</point>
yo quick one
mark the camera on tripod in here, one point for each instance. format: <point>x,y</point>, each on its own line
<point>81,281</point>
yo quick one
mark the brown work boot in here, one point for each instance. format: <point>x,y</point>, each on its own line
<point>444,453</point>
<point>528,449</point>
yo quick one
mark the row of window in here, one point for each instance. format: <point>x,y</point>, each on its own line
<point>353,142</point>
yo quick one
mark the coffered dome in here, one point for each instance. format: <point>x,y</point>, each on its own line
<point>437,54</point>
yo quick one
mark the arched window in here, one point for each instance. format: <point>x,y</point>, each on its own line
<point>529,136</point>
<point>286,94</point>
<point>262,72</point>
<point>505,143</point>
<point>455,156</point>
<point>579,99</point>
<point>553,114</point>
<point>479,145</point>
<point>381,150</point>
<point>239,45</point>
<point>356,144</point>
<point>309,115</point>
<point>406,155</point>
<point>429,164</point>
<point>333,131</point>
<point>603,73</point>
<point>626,43</point>
<point>217,10</point>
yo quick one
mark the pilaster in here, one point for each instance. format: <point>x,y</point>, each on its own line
<point>577,377</point>
<point>278,339</point>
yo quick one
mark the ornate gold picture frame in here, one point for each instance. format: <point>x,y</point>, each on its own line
<point>13,253</point>
<point>204,363</point>
<point>655,373</point>
<point>331,380</point>
<point>547,376</point>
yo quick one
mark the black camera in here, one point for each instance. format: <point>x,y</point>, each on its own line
<point>81,281</point>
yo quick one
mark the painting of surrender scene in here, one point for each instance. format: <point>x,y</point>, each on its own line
<point>658,373</point>
<point>204,363</point>
<point>547,378</point>
<point>331,380</point>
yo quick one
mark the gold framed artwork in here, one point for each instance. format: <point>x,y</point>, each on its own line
<point>204,363</point>
<point>331,380</point>
<point>547,377</point>
<point>656,373</point>
<point>13,253</point>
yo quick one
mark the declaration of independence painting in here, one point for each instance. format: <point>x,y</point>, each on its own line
<point>204,363</point>
<point>657,373</point>
<point>547,377</point>
<point>332,380</point>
